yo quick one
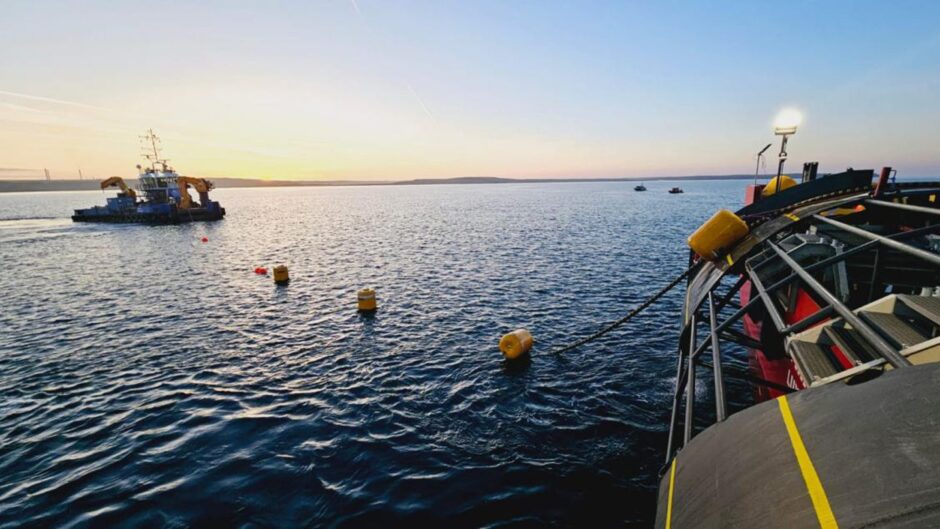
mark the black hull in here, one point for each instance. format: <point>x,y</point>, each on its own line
<point>177,217</point>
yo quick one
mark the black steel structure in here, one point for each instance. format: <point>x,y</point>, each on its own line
<point>850,245</point>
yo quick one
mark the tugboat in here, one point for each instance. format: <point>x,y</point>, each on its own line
<point>166,197</point>
<point>676,190</point>
<point>829,291</point>
<point>640,187</point>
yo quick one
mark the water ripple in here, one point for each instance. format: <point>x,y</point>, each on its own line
<point>150,379</point>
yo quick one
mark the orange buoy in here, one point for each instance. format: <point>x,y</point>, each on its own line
<point>516,344</point>
<point>365,299</point>
<point>261,271</point>
<point>205,239</point>
<point>280,275</point>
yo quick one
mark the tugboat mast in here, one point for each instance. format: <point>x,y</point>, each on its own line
<point>154,155</point>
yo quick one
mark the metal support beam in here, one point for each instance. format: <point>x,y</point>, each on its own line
<point>760,259</point>
<point>810,320</point>
<point>930,257</point>
<point>905,207</point>
<point>690,385</point>
<point>735,336</point>
<point>775,315</point>
<point>874,275</point>
<point>721,409</point>
<point>674,419</point>
<point>730,294</point>
<point>880,345</point>
<point>811,268</point>
<point>822,264</point>
<point>694,349</point>
<point>758,380</point>
<point>685,365</point>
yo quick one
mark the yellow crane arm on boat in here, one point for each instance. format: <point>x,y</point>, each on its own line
<point>201,185</point>
<point>117,181</point>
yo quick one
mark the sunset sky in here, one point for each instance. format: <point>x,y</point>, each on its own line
<point>383,90</point>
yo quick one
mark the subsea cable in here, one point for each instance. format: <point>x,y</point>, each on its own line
<point>629,315</point>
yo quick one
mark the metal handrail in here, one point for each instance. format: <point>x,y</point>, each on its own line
<point>906,207</point>
<point>809,321</point>
<point>811,268</point>
<point>772,310</point>
<point>674,418</point>
<point>690,384</point>
<point>880,345</point>
<point>688,356</point>
<point>890,243</point>
<point>721,409</point>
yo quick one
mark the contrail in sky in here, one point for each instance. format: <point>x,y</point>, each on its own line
<point>414,92</point>
<point>14,106</point>
<point>51,100</point>
<point>420,101</point>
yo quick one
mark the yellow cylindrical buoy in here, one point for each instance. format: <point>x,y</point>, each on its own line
<point>516,344</point>
<point>719,233</point>
<point>366,299</point>
<point>280,274</point>
<point>777,184</point>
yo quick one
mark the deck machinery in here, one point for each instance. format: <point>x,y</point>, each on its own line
<point>832,301</point>
<point>166,198</point>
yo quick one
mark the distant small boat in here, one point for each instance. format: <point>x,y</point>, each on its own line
<point>640,187</point>
<point>676,190</point>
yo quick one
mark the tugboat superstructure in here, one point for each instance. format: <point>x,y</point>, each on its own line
<point>166,198</point>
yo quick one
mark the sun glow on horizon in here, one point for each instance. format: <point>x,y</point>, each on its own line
<point>370,91</point>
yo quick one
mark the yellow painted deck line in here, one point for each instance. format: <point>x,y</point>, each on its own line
<point>827,520</point>
<point>672,486</point>
<point>730,260</point>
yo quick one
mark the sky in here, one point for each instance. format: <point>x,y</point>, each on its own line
<point>391,90</point>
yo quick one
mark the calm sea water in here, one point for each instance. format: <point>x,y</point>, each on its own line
<point>149,379</point>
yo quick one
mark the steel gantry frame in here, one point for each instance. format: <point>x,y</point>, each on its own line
<point>690,350</point>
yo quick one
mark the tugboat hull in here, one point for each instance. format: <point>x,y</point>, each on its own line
<point>165,198</point>
<point>155,216</point>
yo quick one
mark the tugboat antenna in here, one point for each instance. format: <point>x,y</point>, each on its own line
<point>154,154</point>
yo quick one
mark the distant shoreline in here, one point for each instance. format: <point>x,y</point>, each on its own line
<point>19,186</point>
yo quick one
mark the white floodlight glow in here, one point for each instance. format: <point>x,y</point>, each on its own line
<point>787,121</point>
